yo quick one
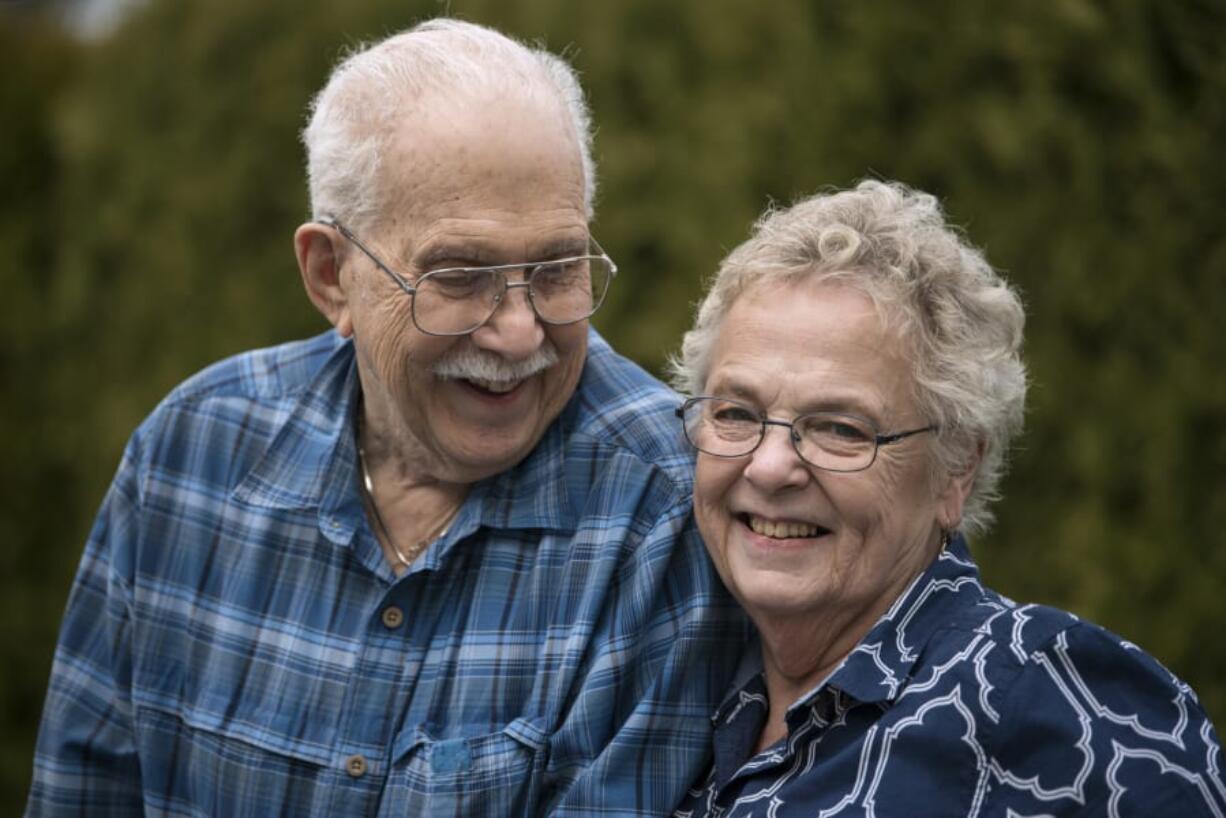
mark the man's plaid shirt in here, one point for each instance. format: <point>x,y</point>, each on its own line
<point>236,645</point>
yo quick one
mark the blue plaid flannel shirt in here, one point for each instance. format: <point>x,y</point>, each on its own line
<point>235,643</point>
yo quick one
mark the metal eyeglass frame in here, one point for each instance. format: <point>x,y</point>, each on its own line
<point>501,269</point>
<point>879,439</point>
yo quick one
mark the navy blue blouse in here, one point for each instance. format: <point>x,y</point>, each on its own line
<point>960,702</point>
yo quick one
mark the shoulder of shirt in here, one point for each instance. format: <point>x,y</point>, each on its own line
<point>243,398</point>
<point>622,406</point>
<point>1030,637</point>
<point>1024,631</point>
<point>1058,694</point>
<point>271,373</point>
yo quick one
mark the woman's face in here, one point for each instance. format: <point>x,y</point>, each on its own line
<point>850,542</point>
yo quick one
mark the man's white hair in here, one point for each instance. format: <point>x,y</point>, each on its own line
<point>960,323</point>
<point>375,88</point>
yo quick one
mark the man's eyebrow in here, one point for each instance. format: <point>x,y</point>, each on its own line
<point>563,248</point>
<point>478,254</point>
<point>468,254</point>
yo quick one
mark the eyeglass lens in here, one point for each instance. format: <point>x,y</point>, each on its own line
<point>562,292</point>
<point>827,440</point>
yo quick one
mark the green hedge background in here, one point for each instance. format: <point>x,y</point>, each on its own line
<point>150,182</point>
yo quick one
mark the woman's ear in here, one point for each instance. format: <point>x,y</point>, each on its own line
<point>952,499</point>
<point>316,248</point>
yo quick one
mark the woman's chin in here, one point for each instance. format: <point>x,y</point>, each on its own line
<point>775,594</point>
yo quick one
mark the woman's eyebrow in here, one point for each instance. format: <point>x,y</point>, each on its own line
<point>838,402</point>
<point>733,388</point>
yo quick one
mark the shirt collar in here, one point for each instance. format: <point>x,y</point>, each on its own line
<point>312,462</point>
<point>879,666</point>
<point>543,491</point>
<point>532,494</point>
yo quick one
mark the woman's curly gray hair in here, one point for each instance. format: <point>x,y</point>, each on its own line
<point>959,322</point>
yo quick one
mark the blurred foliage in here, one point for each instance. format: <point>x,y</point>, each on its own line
<point>152,184</point>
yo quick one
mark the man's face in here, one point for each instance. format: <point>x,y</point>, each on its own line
<point>473,182</point>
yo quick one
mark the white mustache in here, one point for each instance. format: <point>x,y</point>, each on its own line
<point>471,364</point>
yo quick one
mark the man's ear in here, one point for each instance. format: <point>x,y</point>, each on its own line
<point>316,247</point>
<point>952,499</point>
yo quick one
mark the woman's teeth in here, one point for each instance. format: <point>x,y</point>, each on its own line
<point>781,531</point>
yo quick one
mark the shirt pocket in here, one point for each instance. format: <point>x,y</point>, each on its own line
<point>233,743</point>
<point>492,773</point>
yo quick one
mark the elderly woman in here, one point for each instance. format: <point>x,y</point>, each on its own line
<point>859,378</point>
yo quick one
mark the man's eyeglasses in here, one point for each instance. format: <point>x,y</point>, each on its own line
<point>459,300</point>
<point>828,440</point>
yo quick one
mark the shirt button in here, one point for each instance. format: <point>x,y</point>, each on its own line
<point>355,765</point>
<point>393,617</point>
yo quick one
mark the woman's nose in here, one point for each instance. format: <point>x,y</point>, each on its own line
<point>775,464</point>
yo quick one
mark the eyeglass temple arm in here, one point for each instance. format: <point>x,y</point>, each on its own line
<point>344,231</point>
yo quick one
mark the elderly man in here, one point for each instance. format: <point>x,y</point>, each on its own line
<point>437,561</point>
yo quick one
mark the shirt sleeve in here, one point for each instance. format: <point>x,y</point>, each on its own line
<point>664,682</point>
<point>85,760</point>
<point>1095,726</point>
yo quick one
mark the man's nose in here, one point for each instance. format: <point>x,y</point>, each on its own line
<point>513,330</point>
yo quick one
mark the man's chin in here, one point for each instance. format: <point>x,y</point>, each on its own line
<point>473,471</point>
<point>485,453</point>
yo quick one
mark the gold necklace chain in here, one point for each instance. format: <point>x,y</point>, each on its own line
<point>368,489</point>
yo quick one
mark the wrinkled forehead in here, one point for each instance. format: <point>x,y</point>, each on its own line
<point>483,139</point>
<point>852,314</point>
<point>859,298</point>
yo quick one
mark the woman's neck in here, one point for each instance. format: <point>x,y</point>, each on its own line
<point>795,659</point>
